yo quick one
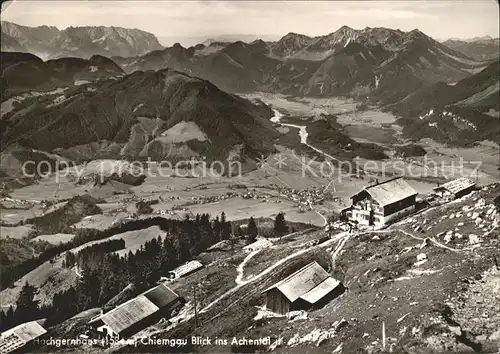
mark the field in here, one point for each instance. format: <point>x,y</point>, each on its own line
<point>370,117</point>
<point>17,232</point>
<point>99,222</point>
<point>51,277</point>
<point>133,239</point>
<point>54,239</point>
<point>306,106</point>
<point>368,134</point>
<point>239,208</point>
<point>13,216</point>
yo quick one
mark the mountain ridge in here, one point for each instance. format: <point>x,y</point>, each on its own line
<point>298,64</point>
<point>132,117</point>
<point>483,48</point>
<point>83,41</point>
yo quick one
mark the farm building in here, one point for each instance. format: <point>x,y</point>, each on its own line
<point>309,287</point>
<point>20,336</point>
<point>381,203</point>
<point>455,189</point>
<point>138,313</point>
<point>185,269</point>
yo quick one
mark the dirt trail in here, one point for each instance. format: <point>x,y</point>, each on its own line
<point>78,273</point>
<point>239,277</point>
<point>340,247</point>
<point>335,238</point>
<point>433,240</point>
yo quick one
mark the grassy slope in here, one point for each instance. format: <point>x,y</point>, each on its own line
<point>417,303</point>
<point>60,219</point>
<point>384,286</point>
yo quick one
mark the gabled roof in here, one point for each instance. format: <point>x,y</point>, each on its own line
<point>310,283</point>
<point>321,290</point>
<point>186,268</point>
<point>18,336</point>
<point>132,311</point>
<point>390,191</point>
<point>129,313</point>
<point>161,295</point>
<point>457,185</point>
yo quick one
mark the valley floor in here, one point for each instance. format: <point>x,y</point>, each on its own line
<point>423,307</point>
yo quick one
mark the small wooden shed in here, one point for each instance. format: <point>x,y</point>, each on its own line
<point>310,286</point>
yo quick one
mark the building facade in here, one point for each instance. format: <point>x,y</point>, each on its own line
<point>381,203</point>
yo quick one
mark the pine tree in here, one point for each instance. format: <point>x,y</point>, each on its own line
<point>26,305</point>
<point>69,259</point>
<point>252,231</point>
<point>8,319</point>
<point>88,289</point>
<point>225,227</point>
<point>217,228</point>
<point>280,226</point>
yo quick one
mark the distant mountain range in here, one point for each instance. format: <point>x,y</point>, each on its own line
<point>188,41</point>
<point>455,114</point>
<point>483,48</point>
<point>171,101</point>
<point>383,63</point>
<point>52,43</point>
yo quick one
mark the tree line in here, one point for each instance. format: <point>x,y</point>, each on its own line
<point>280,228</point>
<point>105,274</point>
<point>10,274</point>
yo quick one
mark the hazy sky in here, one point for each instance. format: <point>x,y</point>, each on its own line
<point>440,19</point>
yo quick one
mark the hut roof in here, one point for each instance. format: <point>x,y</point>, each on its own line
<point>129,313</point>
<point>18,336</point>
<point>390,191</point>
<point>457,185</point>
<point>161,295</point>
<point>186,268</point>
<point>310,283</point>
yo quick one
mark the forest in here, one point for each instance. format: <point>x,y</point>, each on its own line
<point>105,274</point>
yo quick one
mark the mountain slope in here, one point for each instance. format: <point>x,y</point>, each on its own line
<point>52,43</point>
<point>477,48</point>
<point>382,63</point>
<point>454,114</point>
<point>136,116</point>
<point>23,72</point>
<point>478,91</point>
